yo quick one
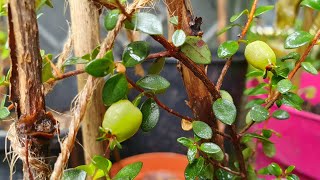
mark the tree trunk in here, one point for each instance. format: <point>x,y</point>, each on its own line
<point>85,33</point>
<point>200,99</point>
<point>34,126</point>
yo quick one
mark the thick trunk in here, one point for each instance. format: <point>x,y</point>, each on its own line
<point>85,33</point>
<point>34,126</point>
<point>200,99</point>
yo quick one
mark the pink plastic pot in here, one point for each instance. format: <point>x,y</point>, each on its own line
<point>308,80</point>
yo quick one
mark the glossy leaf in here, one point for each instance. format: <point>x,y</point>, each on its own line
<point>259,113</point>
<point>147,23</point>
<point>289,169</point>
<point>89,169</point>
<point>254,102</point>
<point>254,73</point>
<point>284,86</point>
<point>293,100</point>
<point>225,95</point>
<point>150,113</point>
<point>247,152</point>
<point>111,19</point>
<point>174,20</point>
<point>72,174</point>
<point>225,111</point>
<point>237,16</point>
<point>157,66</point>
<point>228,49</point>
<point>262,9</point>
<point>212,150</point>
<point>280,114</point>
<point>223,175</point>
<point>187,142</point>
<point>130,171</point>
<point>192,152</point>
<point>102,163</point>
<point>297,39</point>
<point>4,112</point>
<point>225,29</point>
<point>314,4</point>
<point>135,53</point>
<point>309,68</point>
<point>268,149</point>
<point>293,177</point>
<point>114,89</point>
<point>207,173</point>
<point>154,83</point>
<point>248,118</point>
<point>202,129</point>
<point>178,38</point>
<point>259,89</point>
<point>274,169</point>
<point>75,60</point>
<point>247,137</point>
<point>197,50</point>
<point>46,68</point>
<point>266,133</point>
<point>101,67</point>
<point>291,55</point>
<point>193,170</point>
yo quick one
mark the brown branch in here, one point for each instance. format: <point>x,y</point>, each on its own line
<point>277,94</point>
<point>243,33</point>
<point>237,146</point>
<point>123,10</point>
<point>159,55</point>
<point>66,75</point>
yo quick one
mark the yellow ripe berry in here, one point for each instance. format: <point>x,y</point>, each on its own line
<point>260,55</point>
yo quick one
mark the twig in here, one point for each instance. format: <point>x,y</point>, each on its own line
<point>238,151</point>
<point>66,75</point>
<point>277,94</point>
<point>159,55</point>
<point>243,33</point>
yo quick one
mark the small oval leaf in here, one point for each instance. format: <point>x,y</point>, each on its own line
<point>154,83</point>
<point>297,39</point>
<point>262,9</point>
<point>194,169</point>
<point>157,66</point>
<point>114,89</point>
<point>178,38</point>
<point>111,19</point>
<point>237,16</point>
<point>187,142</point>
<point>129,172</point>
<point>102,163</point>
<point>314,4</point>
<point>4,112</point>
<point>212,150</point>
<point>225,111</point>
<point>135,53</point>
<point>309,68</point>
<point>150,113</point>
<point>197,50</point>
<point>147,23</point>
<point>202,129</point>
<point>284,86</point>
<point>71,174</point>
<point>192,152</point>
<point>228,49</point>
<point>280,114</point>
<point>259,113</point>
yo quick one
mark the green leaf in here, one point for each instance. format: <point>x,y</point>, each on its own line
<point>174,20</point>
<point>225,29</point>
<point>266,133</point>
<point>237,16</point>
<point>228,49</point>
<point>130,171</point>
<point>102,163</point>
<point>284,86</point>
<point>280,114</point>
<point>193,170</point>
<point>202,129</point>
<point>207,173</point>
<point>98,174</point>
<point>225,95</point>
<point>4,112</point>
<point>223,175</point>
<point>95,53</point>
<point>114,89</point>
<point>147,23</point>
<point>254,102</point>
<point>72,174</point>
<point>178,38</point>
<point>247,152</point>
<point>263,171</point>
<point>2,80</point>
<point>254,73</point>
<point>157,66</point>
<point>297,39</point>
<point>248,118</point>
<point>3,101</point>
<point>225,111</point>
<point>274,169</point>
<point>75,60</point>
<point>100,67</point>
<point>259,113</point>
<point>212,150</point>
<point>259,89</point>
<point>293,177</point>
<point>135,53</point>
<point>314,4</point>
<point>192,152</point>
<point>291,55</point>
<point>268,149</point>
<point>247,137</point>
<point>309,68</point>
<point>197,50</point>
<point>293,100</point>
<point>187,142</point>
<point>111,19</point>
<point>154,83</point>
<point>289,169</point>
<point>89,169</point>
<point>46,68</point>
<point>150,111</point>
<point>262,9</point>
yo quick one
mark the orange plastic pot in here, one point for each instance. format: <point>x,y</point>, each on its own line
<point>160,165</point>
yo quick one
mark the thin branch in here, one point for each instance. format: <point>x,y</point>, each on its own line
<point>66,75</point>
<point>159,55</point>
<point>243,33</point>
<point>277,94</point>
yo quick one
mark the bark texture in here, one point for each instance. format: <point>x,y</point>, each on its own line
<point>34,126</point>
<point>85,33</point>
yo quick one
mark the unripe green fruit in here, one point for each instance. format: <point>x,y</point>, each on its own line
<point>260,55</point>
<point>122,119</point>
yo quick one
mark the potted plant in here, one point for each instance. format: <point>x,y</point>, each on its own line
<point>106,85</point>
